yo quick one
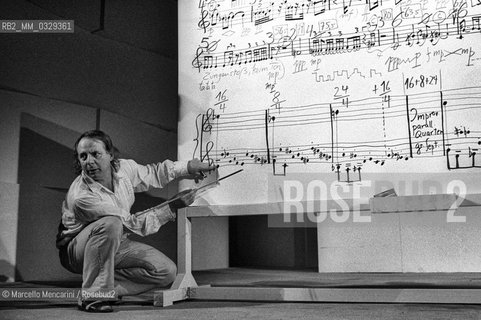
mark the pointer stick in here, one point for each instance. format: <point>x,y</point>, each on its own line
<point>191,190</point>
<point>217,181</point>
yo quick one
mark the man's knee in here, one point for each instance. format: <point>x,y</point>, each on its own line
<point>166,275</point>
<point>110,226</point>
<point>171,273</point>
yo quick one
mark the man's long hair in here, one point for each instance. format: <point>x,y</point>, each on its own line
<point>109,147</point>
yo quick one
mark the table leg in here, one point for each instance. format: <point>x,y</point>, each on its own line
<point>184,279</point>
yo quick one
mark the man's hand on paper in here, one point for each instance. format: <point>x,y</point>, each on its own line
<point>197,168</point>
<point>185,198</point>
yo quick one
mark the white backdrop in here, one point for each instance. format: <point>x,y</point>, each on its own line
<point>347,92</point>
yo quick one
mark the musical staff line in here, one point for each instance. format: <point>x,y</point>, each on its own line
<point>326,44</point>
<point>276,10</point>
<point>426,135</point>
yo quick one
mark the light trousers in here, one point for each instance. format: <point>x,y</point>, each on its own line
<point>108,260</point>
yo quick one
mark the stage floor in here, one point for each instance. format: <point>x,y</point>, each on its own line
<point>311,279</point>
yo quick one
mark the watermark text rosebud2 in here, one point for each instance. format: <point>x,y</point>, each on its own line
<point>337,208</point>
<point>459,188</point>
<point>315,200</point>
<point>101,294</point>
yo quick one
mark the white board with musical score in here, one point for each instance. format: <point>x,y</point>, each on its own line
<point>348,92</point>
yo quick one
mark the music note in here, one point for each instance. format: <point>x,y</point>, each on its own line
<point>461,27</point>
<point>262,160</point>
<point>373,39</point>
<point>238,58</point>
<point>356,43</point>
<point>284,166</point>
<point>315,46</point>
<point>395,39</point>
<point>476,23</point>
<point>248,56</point>
<point>227,22</point>
<point>319,7</point>
<point>326,156</point>
<point>472,154</point>
<point>208,62</point>
<point>339,44</point>
<point>263,16</point>
<point>469,154</point>
<point>224,154</point>
<point>228,58</point>
<point>296,51</point>
<point>463,131</point>
<point>291,12</point>
<point>315,150</point>
<point>214,18</point>
<point>329,45</point>
<point>373,5</point>
<point>345,7</point>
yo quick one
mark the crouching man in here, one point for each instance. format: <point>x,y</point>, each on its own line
<point>96,220</point>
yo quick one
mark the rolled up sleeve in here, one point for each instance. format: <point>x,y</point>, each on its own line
<point>157,175</point>
<point>149,221</point>
<point>89,208</point>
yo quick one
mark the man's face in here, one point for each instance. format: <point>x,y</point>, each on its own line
<point>94,159</point>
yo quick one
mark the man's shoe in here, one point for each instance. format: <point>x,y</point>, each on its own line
<point>95,306</point>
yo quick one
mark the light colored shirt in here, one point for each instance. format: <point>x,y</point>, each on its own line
<point>87,200</point>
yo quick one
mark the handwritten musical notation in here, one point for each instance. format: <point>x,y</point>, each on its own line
<point>431,28</point>
<point>348,87</point>
<point>258,14</point>
<point>327,44</point>
<point>425,134</point>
